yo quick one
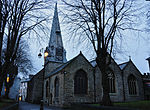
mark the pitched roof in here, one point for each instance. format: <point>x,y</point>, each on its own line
<point>25,80</point>
<point>61,67</point>
<point>93,63</point>
<point>37,74</point>
<point>123,65</point>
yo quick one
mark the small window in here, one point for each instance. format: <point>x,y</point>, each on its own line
<point>59,51</point>
<point>58,32</point>
<point>52,47</point>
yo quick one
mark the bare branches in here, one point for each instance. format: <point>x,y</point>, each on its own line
<point>21,14</point>
<point>17,18</point>
<point>100,21</point>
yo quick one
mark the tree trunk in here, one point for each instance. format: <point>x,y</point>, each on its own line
<point>101,63</point>
<point>3,75</point>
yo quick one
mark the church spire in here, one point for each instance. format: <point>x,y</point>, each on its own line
<point>55,48</point>
<point>55,29</point>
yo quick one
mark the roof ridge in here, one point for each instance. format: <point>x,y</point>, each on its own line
<point>62,66</point>
<point>124,63</point>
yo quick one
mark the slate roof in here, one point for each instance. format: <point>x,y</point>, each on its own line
<point>93,63</point>
<point>123,65</point>
<point>25,80</point>
<point>61,67</point>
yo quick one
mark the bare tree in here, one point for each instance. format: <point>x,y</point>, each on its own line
<point>22,65</point>
<point>23,59</point>
<point>24,16</point>
<point>3,19</point>
<point>101,21</point>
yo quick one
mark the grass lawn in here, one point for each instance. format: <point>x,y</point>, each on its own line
<point>143,105</point>
<point>6,102</point>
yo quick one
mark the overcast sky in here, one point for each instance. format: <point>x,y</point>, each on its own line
<point>136,45</point>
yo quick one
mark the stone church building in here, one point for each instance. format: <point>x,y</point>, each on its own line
<point>80,81</point>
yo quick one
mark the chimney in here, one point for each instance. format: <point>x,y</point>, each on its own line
<point>148,59</point>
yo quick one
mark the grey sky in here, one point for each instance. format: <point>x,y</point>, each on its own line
<point>136,45</point>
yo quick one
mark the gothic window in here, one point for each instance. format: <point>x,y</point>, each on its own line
<point>132,85</point>
<point>47,89</point>
<point>59,51</point>
<point>80,82</point>
<point>56,87</point>
<point>111,82</point>
<point>52,47</point>
<point>58,32</point>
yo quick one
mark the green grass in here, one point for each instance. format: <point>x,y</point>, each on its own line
<point>143,105</point>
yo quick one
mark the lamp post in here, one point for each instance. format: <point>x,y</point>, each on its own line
<point>40,55</point>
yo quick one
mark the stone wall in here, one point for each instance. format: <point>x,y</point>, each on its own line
<point>69,97</point>
<point>94,95</point>
<point>118,95</point>
<point>35,88</point>
<point>128,70</point>
<point>51,99</point>
<point>50,66</point>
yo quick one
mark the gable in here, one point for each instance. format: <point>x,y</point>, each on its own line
<point>132,69</point>
<point>112,65</point>
<point>123,65</point>
<point>76,61</point>
<point>79,62</point>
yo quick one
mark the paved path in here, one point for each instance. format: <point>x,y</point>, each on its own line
<point>29,106</point>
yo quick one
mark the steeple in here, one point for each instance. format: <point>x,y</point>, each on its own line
<point>55,49</point>
<point>55,30</point>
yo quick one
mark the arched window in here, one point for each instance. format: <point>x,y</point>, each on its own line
<point>111,82</point>
<point>80,82</point>
<point>56,87</point>
<point>132,85</point>
<point>47,89</point>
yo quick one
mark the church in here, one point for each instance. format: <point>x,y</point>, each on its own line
<point>79,80</point>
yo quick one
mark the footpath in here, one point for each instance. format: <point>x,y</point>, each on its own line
<point>29,106</point>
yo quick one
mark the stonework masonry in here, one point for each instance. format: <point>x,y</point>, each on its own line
<point>34,94</point>
<point>60,77</point>
<point>128,70</point>
<point>66,83</point>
